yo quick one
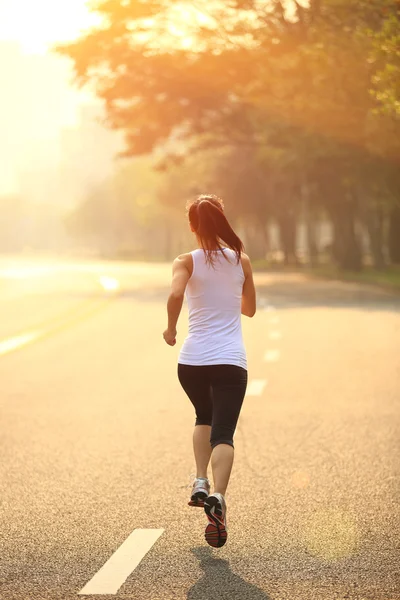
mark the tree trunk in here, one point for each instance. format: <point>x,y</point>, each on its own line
<point>313,250</point>
<point>255,242</point>
<point>394,235</point>
<point>346,246</point>
<point>375,227</point>
<point>311,228</point>
<point>266,239</point>
<point>288,236</point>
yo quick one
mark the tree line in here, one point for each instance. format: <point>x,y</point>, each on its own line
<point>288,110</point>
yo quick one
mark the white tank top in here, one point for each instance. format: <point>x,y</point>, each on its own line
<point>214,298</point>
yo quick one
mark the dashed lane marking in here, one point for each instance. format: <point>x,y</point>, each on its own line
<point>275,335</point>
<point>272,355</point>
<point>120,565</point>
<point>256,387</point>
<point>61,322</point>
<point>110,284</point>
<point>16,342</point>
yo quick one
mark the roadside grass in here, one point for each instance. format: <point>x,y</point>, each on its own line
<point>388,277</point>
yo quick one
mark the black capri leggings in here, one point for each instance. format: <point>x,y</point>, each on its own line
<point>217,393</point>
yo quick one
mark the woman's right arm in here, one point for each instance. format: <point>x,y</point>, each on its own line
<point>249,290</point>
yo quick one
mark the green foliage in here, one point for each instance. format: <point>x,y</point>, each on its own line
<point>386,55</point>
<point>117,216</point>
<point>293,100</point>
<point>389,278</point>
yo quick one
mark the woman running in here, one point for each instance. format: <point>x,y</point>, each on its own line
<point>212,366</point>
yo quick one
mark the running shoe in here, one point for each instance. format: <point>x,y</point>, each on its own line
<point>216,531</point>
<point>201,489</point>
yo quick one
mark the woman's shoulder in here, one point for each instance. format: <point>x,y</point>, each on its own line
<point>185,260</point>
<point>246,263</point>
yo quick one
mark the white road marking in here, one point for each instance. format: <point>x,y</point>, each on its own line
<point>256,387</point>
<point>120,565</point>
<point>110,284</point>
<point>25,272</point>
<point>274,320</point>
<point>272,355</point>
<point>18,341</point>
<point>275,335</point>
<point>270,308</point>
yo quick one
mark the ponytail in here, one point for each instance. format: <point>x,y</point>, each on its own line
<point>207,217</point>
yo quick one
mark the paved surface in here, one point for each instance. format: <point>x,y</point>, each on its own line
<point>95,441</point>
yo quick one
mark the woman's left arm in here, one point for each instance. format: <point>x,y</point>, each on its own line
<point>180,277</point>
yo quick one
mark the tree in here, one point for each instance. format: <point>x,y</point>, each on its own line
<point>385,55</point>
<point>123,216</point>
<point>252,75</point>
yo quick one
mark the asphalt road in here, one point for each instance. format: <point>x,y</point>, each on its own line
<point>95,441</point>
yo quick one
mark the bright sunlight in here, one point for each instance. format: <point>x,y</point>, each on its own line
<point>38,25</point>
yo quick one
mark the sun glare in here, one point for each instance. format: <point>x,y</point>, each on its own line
<point>39,25</point>
<point>185,19</point>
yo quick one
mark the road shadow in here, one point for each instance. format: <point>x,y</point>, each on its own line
<point>218,581</point>
<point>282,291</point>
<point>292,292</point>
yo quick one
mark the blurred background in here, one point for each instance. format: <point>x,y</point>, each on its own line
<point>288,110</point>
<point>114,113</point>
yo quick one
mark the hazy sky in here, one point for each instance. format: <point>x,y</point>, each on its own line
<point>38,98</point>
<point>36,24</point>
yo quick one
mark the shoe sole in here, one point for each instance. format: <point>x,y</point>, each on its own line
<point>198,499</point>
<point>215,533</point>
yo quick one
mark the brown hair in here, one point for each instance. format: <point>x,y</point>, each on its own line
<point>206,215</point>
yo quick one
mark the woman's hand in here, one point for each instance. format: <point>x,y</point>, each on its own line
<point>170,336</point>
